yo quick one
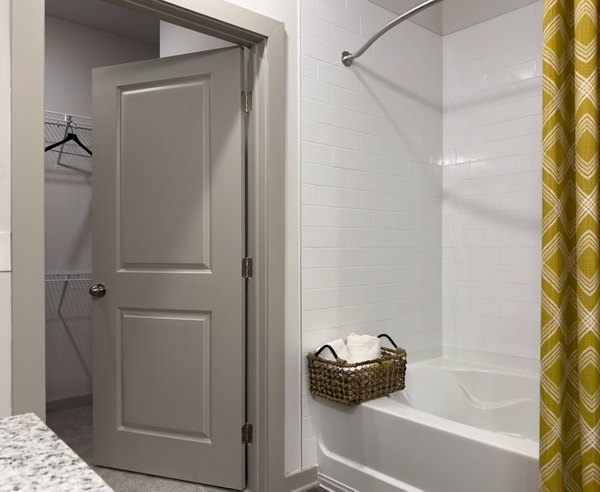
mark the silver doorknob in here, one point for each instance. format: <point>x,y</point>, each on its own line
<point>98,290</point>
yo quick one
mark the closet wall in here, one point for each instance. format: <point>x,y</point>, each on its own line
<point>176,40</point>
<point>72,50</point>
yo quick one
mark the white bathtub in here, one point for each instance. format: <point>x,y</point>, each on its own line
<point>458,427</point>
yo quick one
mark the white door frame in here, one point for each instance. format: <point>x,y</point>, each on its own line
<point>266,361</point>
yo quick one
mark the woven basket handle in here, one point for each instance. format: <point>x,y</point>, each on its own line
<point>327,347</point>
<point>389,338</point>
<point>335,354</point>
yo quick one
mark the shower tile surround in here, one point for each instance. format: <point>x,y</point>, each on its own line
<point>436,256</point>
<point>493,185</point>
<point>371,183</point>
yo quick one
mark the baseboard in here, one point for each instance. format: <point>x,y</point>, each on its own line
<point>65,403</point>
<point>333,485</point>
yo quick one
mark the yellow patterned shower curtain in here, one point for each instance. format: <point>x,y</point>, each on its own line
<point>570,352</point>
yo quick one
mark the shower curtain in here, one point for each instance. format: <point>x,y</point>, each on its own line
<point>570,336</point>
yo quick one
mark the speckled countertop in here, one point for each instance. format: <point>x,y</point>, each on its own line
<point>33,458</point>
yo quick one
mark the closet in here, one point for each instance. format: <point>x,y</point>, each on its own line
<point>81,36</point>
<point>169,138</point>
<point>78,39</point>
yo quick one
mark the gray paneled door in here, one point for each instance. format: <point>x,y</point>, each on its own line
<point>168,239</point>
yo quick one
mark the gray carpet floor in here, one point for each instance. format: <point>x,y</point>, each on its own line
<point>74,426</point>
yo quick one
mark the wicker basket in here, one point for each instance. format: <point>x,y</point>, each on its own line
<point>350,384</point>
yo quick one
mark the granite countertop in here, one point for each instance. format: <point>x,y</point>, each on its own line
<point>33,458</point>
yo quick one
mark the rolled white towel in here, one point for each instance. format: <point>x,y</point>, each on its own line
<point>362,348</point>
<point>340,349</point>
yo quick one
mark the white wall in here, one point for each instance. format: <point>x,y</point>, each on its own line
<point>72,50</point>
<point>493,184</point>
<point>371,183</point>
<point>5,312</point>
<point>287,11</point>
<point>176,40</point>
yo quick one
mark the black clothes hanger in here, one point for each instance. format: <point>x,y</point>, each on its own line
<point>71,137</point>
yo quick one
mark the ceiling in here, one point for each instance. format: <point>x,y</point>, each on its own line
<point>444,18</point>
<point>107,17</point>
<point>453,15</point>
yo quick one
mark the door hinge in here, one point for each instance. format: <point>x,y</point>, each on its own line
<point>247,433</point>
<point>246,101</point>
<point>247,268</point>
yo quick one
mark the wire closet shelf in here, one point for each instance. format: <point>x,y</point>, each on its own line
<point>82,280</point>
<point>57,126</point>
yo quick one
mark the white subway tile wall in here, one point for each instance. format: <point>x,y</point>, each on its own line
<point>372,183</point>
<point>493,185</point>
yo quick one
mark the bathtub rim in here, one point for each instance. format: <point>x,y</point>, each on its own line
<point>519,445</point>
<point>521,448</point>
<point>458,364</point>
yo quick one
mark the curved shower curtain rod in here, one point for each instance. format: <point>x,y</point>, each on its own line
<point>348,58</point>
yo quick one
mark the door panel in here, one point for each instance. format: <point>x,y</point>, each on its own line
<point>147,171</point>
<point>168,194</point>
<point>184,340</point>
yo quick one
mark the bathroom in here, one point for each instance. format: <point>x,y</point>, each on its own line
<point>416,196</point>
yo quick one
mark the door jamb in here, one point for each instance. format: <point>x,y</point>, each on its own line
<point>266,362</point>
